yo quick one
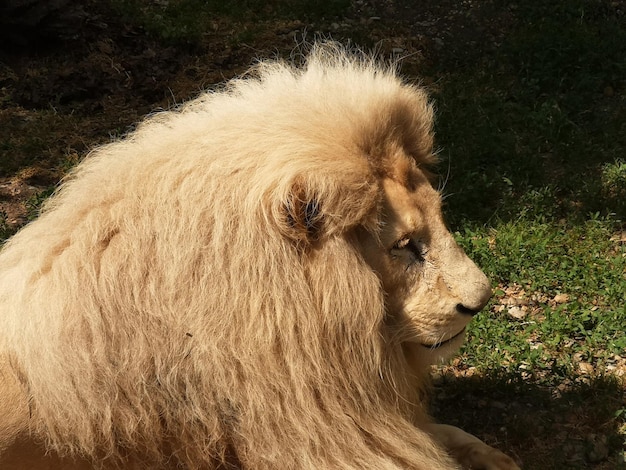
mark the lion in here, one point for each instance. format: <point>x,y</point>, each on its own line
<point>257,280</point>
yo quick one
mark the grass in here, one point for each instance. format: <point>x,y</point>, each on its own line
<point>534,136</point>
<point>578,266</point>
<point>548,344</point>
<point>544,120</point>
<point>537,184</point>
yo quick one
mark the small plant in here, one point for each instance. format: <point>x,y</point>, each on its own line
<point>34,203</point>
<point>5,230</point>
<point>614,185</point>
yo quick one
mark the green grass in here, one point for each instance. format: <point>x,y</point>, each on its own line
<point>538,182</point>
<point>534,135</point>
<point>552,367</point>
<point>580,263</point>
<point>5,230</point>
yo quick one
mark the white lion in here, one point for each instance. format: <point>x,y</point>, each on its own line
<point>258,281</point>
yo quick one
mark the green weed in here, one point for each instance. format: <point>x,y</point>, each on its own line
<point>5,229</point>
<point>614,185</point>
<point>582,264</point>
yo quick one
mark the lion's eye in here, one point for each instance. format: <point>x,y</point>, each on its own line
<point>407,247</point>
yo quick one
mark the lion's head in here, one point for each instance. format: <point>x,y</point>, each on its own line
<point>253,278</point>
<point>378,168</point>
<point>432,288</point>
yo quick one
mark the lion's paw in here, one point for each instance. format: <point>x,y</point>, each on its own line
<point>479,456</point>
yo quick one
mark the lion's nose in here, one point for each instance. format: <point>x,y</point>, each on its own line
<point>466,310</point>
<point>474,304</point>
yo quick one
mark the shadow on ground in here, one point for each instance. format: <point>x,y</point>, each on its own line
<point>547,428</point>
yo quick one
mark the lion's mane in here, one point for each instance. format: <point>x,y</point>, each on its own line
<point>193,294</point>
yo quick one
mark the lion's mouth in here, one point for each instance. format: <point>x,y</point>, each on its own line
<point>443,343</point>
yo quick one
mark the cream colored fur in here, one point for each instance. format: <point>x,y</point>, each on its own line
<point>224,289</point>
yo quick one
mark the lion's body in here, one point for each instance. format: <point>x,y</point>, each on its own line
<point>196,295</point>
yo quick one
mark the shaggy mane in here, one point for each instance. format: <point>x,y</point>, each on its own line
<point>194,294</point>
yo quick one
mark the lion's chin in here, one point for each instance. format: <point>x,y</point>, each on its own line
<point>453,341</point>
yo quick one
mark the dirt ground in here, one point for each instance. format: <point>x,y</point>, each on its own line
<point>84,75</point>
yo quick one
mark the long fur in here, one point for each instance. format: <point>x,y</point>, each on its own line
<point>194,294</point>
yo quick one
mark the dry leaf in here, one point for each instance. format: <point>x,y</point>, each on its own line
<point>561,298</point>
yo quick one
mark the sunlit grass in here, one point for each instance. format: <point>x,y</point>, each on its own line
<point>534,137</point>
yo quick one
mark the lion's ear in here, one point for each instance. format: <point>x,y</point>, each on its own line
<point>312,210</point>
<point>303,216</point>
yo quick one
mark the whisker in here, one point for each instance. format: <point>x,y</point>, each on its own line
<point>443,183</point>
